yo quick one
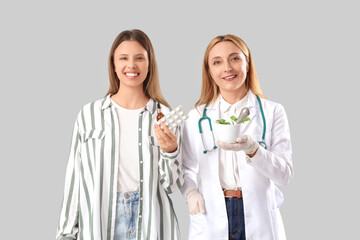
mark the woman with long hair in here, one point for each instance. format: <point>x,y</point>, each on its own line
<point>122,165</point>
<point>231,188</point>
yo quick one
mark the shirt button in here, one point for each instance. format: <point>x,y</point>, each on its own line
<point>139,216</point>
<point>141,199</point>
<point>141,180</point>
<point>139,129</point>
<point>139,144</point>
<point>141,162</point>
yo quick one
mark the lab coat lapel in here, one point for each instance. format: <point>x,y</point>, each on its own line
<point>213,111</point>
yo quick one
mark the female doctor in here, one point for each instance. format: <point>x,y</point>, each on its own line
<point>231,188</point>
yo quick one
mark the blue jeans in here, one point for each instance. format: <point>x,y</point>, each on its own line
<point>127,211</point>
<point>235,212</point>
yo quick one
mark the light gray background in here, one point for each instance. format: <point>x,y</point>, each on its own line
<point>54,60</point>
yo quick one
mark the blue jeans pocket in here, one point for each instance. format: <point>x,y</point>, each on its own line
<point>126,215</point>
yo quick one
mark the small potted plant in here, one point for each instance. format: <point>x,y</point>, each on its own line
<point>228,131</point>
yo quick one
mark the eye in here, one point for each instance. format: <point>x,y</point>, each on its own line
<point>140,58</point>
<point>123,58</point>
<point>236,59</point>
<point>216,62</point>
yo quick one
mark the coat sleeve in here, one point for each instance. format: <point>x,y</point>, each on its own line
<point>190,164</point>
<point>171,175</point>
<point>68,223</point>
<point>276,163</point>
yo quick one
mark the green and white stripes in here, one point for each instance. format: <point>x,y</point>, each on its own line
<point>89,206</point>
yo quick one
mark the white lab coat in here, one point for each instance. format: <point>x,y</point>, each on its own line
<point>258,175</point>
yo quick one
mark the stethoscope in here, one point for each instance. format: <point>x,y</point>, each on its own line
<point>204,117</point>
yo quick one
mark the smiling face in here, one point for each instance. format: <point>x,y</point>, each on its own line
<point>131,64</point>
<point>228,68</point>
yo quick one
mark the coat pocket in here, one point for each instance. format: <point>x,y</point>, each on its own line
<point>93,134</point>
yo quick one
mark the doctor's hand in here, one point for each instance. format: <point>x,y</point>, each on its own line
<point>167,140</point>
<point>244,143</point>
<point>195,202</point>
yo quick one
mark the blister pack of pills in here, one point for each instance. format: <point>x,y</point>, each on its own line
<point>174,118</point>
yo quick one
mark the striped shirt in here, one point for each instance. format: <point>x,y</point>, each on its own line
<point>89,205</point>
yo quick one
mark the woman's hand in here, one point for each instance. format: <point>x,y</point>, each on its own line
<point>244,143</point>
<point>195,202</point>
<point>167,140</point>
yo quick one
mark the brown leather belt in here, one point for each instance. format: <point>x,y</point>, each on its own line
<point>232,193</point>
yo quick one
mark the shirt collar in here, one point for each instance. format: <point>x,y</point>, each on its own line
<point>225,106</point>
<point>106,102</point>
<point>150,106</point>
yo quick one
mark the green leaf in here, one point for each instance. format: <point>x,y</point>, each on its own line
<point>233,118</point>
<point>245,120</point>
<point>222,121</point>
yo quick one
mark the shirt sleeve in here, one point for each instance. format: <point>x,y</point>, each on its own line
<point>171,175</point>
<point>68,223</point>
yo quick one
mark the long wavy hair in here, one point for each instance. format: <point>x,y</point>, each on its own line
<point>209,90</point>
<point>151,85</point>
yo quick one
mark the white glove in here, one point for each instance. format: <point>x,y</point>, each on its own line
<point>195,202</point>
<point>244,143</point>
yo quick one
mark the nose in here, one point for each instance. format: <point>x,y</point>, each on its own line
<point>131,64</point>
<point>227,66</point>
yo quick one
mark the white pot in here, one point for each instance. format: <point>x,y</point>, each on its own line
<point>226,133</point>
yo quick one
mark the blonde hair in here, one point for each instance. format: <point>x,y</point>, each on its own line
<point>151,84</point>
<point>209,90</point>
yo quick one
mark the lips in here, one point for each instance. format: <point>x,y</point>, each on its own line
<point>131,74</point>
<point>230,77</point>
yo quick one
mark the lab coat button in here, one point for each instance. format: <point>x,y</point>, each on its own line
<point>248,214</point>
